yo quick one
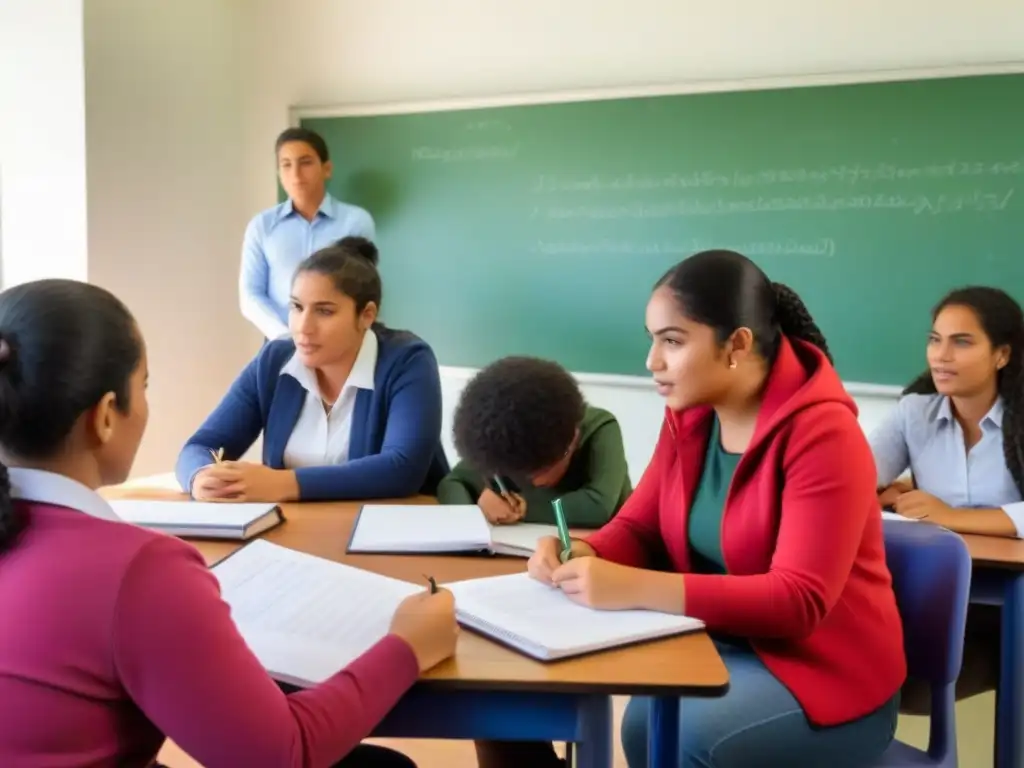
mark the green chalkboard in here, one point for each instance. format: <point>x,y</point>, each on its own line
<point>540,229</point>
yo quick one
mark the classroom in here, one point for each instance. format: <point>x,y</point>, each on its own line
<point>496,143</point>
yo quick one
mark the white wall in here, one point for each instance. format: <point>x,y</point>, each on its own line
<point>393,51</point>
<point>166,196</point>
<point>43,224</point>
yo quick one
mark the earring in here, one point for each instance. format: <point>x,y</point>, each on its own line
<point>732,363</point>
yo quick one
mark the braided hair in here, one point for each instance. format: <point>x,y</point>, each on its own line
<point>1003,322</point>
<point>725,290</point>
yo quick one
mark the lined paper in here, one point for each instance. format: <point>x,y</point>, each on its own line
<point>543,622</point>
<point>305,617</point>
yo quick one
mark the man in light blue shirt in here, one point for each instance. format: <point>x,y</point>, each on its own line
<point>277,239</point>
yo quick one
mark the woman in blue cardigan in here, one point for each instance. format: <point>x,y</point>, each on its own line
<point>349,409</point>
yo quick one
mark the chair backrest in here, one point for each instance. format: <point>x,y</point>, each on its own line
<point>931,573</point>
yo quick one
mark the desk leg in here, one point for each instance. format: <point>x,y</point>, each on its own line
<point>594,748</point>
<point>1010,696</point>
<point>663,733</point>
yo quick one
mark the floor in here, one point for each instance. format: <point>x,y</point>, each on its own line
<point>975,719</point>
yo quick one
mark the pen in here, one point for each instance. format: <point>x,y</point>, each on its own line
<point>433,584</point>
<point>563,531</point>
<point>501,486</point>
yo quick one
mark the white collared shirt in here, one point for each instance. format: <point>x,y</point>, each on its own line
<point>45,487</point>
<point>320,439</point>
<point>921,434</point>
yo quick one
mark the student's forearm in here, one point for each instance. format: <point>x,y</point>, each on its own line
<point>983,522</point>
<point>660,591</point>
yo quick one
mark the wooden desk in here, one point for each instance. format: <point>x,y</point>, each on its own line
<point>560,701</point>
<point>996,552</point>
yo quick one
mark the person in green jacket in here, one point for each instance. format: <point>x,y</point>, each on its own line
<point>526,436</point>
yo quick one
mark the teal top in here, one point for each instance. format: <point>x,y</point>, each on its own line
<point>705,521</point>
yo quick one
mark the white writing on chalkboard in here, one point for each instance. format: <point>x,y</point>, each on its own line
<point>789,247</point>
<point>977,202</point>
<point>845,174</point>
<point>464,154</point>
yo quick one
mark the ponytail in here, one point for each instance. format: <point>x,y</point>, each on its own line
<point>795,321</point>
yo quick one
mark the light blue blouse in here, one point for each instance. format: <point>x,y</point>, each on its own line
<point>921,434</point>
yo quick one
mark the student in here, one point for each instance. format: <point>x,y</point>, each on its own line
<point>959,429</point>
<point>760,500</point>
<point>116,637</point>
<point>277,239</point>
<point>348,409</point>
<point>524,420</point>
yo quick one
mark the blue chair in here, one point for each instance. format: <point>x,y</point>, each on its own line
<point>931,573</point>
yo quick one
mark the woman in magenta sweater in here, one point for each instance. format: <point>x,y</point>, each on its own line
<point>116,637</point>
<point>759,506</point>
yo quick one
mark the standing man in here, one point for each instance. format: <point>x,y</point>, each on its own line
<point>277,239</point>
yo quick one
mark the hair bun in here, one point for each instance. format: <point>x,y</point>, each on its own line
<point>361,246</point>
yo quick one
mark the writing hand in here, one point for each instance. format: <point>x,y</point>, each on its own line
<point>545,561</point>
<point>496,509</point>
<point>598,583</point>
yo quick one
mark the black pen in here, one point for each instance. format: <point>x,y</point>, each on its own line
<point>433,584</point>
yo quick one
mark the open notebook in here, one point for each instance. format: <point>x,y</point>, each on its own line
<point>440,529</point>
<point>199,519</point>
<point>306,618</point>
<point>540,621</point>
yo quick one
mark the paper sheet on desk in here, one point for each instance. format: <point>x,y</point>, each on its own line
<point>304,617</point>
<point>894,516</point>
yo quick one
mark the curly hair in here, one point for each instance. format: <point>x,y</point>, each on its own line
<point>725,290</point>
<point>1003,322</point>
<point>517,416</point>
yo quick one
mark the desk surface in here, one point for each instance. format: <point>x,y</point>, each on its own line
<point>996,552</point>
<point>688,664</point>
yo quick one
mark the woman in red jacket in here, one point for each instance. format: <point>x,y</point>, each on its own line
<point>761,500</point>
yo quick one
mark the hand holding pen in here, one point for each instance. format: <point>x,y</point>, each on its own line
<point>426,621</point>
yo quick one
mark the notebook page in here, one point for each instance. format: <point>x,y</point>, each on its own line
<point>522,536</point>
<point>544,623</point>
<point>153,512</point>
<point>304,617</point>
<point>420,528</point>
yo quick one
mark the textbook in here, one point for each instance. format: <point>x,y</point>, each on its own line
<point>304,617</point>
<point>435,529</point>
<point>200,519</point>
<point>542,622</point>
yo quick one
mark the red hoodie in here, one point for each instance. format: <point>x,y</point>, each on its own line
<point>807,581</point>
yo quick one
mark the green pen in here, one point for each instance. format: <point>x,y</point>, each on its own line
<point>501,486</point>
<point>563,531</point>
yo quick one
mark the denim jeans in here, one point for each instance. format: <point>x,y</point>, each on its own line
<point>758,724</point>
